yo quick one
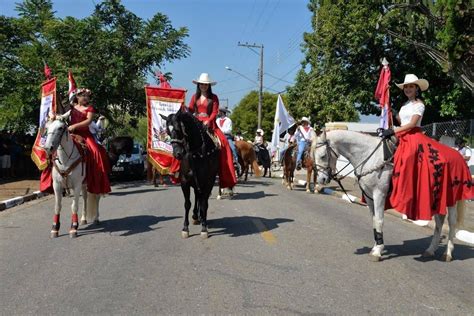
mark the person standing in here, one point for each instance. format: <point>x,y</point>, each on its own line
<point>464,150</point>
<point>204,104</point>
<point>303,137</point>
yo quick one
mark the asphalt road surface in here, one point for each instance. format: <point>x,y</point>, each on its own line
<point>270,251</point>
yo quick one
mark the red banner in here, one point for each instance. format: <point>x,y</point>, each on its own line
<point>48,104</point>
<point>164,101</point>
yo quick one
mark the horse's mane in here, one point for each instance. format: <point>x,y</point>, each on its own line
<point>191,121</point>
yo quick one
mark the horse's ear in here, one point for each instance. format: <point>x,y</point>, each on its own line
<point>164,117</point>
<point>64,117</point>
<point>322,136</point>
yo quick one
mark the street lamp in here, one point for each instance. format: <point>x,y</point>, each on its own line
<point>240,74</point>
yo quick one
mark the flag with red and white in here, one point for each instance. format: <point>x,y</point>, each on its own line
<point>72,86</point>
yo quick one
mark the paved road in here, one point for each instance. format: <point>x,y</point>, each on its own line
<point>270,251</point>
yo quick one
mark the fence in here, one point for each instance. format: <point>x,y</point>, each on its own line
<point>447,132</point>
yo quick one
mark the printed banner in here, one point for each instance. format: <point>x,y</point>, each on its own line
<point>48,104</point>
<point>163,101</point>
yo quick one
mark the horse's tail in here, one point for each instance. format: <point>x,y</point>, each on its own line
<point>256,168</point>
<point>92,207</point>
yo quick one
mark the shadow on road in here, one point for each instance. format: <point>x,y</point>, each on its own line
<point>244,225</point>
<point>128,225</point>
<point>251,195</point>
<point>253,183</point>
<point>416,247</point>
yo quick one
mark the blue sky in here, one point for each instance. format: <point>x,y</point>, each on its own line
<point>215,28</point>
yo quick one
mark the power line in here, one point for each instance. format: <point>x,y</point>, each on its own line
<point>274,77</point>
<point>292,69</point>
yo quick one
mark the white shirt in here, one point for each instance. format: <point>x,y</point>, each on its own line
<point>409,109</point>
<point>259,140</point>
<point>225,124</point>
<point>289,139</point>
<point>303,135</point>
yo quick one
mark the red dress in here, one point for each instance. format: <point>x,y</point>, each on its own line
<point>207,112</point>
<point>427,176</point>
<point>97,161</point>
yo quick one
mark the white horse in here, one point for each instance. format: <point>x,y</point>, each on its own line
<point>69,172</point>
<point>374,175</point>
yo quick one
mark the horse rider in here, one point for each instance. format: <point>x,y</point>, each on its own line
<point>259,140</point>
<point>303,137</point>
<point>288,140</point>
<point>238,136</point>
<point>427,175</point>
<point>464,150</point>
<point>225,125</point>
<point>97,161</point>
<point>205,105</point>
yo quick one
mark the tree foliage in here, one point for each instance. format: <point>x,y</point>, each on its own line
<point>110,52</point>
<point>343,53</point>
<point>245,114</point>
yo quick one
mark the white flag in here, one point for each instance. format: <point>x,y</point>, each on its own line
<point>283,121</point>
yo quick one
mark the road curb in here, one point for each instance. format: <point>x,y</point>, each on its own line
<point>6,204</point>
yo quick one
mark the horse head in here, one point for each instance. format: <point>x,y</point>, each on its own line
<point>176,130</point>
<point>55,129</point>
<point>325,159</point>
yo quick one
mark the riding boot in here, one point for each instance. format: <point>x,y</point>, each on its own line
<point>298,165</point>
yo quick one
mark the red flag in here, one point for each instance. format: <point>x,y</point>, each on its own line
<point>382,94</point>
<point>163,82</point>
<point>47,71</point>
<point>72,85</point>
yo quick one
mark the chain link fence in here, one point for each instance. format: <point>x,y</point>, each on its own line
<point>447,132</point>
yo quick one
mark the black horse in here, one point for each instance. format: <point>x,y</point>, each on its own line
<point>263,159</point>
<point>118,146</point>
<point>199,158</point>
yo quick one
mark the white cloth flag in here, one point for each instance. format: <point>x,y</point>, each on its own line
<point>283,121</point>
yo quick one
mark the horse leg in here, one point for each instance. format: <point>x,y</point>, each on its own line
<point>58,194</point>
<point>84,207</point>
<point>203,205</point>
<point>220,193</point>
<point>246,171</point>
<point>377,222</point>
<point>196,219</point>
<point>187,205</point>
<point>430,251</point>
<point>308,179</point>
<point>452,219</point>
<point>74,209</point>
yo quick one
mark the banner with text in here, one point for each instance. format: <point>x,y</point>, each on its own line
<point>163,101</point>
<point>48,104</point>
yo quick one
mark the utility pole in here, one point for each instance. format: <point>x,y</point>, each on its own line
<point>226,102</point>
<point>260,75</point>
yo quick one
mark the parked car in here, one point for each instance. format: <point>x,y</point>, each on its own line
<point>131,165</point>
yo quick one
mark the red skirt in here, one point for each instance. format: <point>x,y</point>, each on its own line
<point>227,178</point>
<point>427,177</point>
<point>97,169</point>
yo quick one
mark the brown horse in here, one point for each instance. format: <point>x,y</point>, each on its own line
<point>247,157</point>
<point>289,165</point>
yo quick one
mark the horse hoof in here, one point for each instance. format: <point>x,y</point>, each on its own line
<point>308,191</point>
<point>374,258</point>
<point>184,234</point>
<point>96,222</point>
<point>204,235</point>
<point>219,197</point>
<point>446,258</point>
<point>427,254</point>
<point>83,222</point>
<point>73,234</point>
<point>54,234</point>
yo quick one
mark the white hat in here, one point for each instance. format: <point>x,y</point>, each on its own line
<point>205,78</point>
<point>260,131</point>
<point>305,119</point>
<point>224,109</point>
<point>412,79</point>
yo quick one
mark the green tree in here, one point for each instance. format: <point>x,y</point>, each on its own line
<point>245,114</point>
<point>342,65</point>
<point>109,52</point>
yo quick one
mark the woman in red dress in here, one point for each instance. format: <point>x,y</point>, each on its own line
<point>97,161</point>
<point>427,176</point>
<point>205,106</point>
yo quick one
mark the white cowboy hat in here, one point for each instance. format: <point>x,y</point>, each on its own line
<point>224,109</point>
<point>204,78</point>
<point>412,79</point>
<point>305,119</point>
<point>260,131</point>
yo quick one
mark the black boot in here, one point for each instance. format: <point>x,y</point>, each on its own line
<point>298,165</point>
